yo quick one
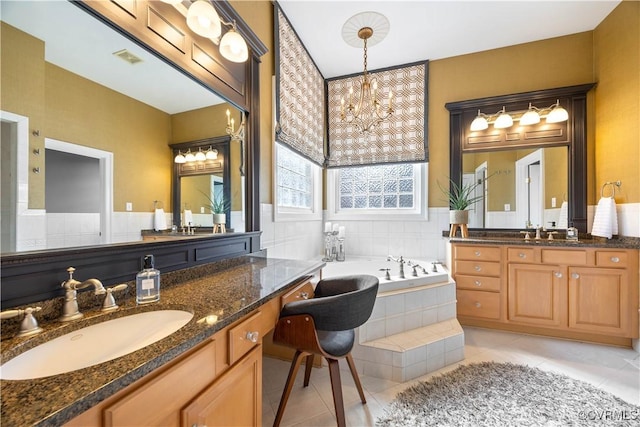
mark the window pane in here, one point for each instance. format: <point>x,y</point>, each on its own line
<point>294,179</point>
<point>377,187</point>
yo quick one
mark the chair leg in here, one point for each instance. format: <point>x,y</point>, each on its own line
<point>336,388</point>
<point>307,369</point>
<point>293,371</point>
<point>356,379</point>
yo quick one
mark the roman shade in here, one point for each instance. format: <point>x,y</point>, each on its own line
<point>300,94</point>
<point>402,138</point>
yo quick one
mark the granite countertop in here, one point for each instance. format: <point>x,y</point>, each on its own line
<point>230,292</point>
<point>586,241</point>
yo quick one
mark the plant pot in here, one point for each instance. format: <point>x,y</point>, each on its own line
<point>458,217</point>
<point>219,218</point>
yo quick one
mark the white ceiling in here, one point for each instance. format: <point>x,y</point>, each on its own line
<point>77,42</point>
<point>427,29</point>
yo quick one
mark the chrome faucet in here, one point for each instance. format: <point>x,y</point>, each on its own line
<point>400,261</point>
<point>70,309</point>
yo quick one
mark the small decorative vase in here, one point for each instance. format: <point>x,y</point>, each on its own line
<point>458,217</point>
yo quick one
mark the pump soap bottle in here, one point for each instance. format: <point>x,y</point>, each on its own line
<point>148,282</point>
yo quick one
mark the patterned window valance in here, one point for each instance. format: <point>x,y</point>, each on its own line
<point>299,94</point>
<point>401,138</point>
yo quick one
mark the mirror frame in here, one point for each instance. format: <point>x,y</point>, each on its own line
<point>573,98</point>
<point>36,275</point>
<point>222,144</point>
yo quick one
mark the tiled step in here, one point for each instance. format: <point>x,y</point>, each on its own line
<point>410,354</point>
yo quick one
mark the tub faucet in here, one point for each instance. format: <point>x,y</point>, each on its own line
<point>400,261</point>
<point>70,309</point>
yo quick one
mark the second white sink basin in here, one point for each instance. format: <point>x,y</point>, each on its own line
<point>94,344</point>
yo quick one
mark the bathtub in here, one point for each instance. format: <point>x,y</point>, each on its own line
<point>373,267</point>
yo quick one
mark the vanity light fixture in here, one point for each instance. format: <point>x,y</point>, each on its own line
<point>554,113</point>
<point>200,156</point>
<point>203,20</point>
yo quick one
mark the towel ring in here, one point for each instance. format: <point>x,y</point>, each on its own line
<point>613,185</point>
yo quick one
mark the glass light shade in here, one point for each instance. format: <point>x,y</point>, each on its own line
<point>479,123</point>
<point>203,19</point>
<point>189,157</point>
<point>200,156</point>
<point>531,117</point>
<point>179,158</point>
<point>558,114</point>
<point>504,120</point>
<point>212,154</point>
<point>233,47</point>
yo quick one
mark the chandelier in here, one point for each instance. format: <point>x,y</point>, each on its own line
<point>367,112</point>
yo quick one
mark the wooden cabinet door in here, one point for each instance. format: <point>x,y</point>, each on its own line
<point>599,300</point>
<point>234,399</point>
<point>537,295</point>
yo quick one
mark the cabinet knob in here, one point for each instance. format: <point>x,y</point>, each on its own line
<point>478,283</point>
<point>304,295</point>
<point>478,305</point>
<point>575,276</point>
<point>477,268</point>
<point>615,259</point>
<point>252,336</point>
<point>477,253</point>
<point>558,275</point>
<point>522,255</point>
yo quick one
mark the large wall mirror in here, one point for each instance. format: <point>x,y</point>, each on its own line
<point>87,90</point>
<point>530,175</point>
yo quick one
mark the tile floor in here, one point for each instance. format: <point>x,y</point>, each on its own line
<point>613,369</point>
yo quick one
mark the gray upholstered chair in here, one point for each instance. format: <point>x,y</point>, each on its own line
<point>325,325</point>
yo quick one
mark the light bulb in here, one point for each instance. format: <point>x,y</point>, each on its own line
<point>212,154</point>
<point>189,157</point>
<point>504,120</point>
<point>531,117</point>
<point>558,114</point>
<point>179,158</point>
<point>479,123</point>
<point>203,19</point>
<point>233,47</point>
<point>200,156</point>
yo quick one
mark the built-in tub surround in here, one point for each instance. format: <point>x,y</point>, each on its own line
<point>228,289</point>
<point>413,329</point>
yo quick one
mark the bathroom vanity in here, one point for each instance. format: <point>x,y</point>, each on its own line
<point>585,290</point>
<point>208,372</point>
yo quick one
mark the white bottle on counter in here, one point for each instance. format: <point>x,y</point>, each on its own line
<point>148,282</point>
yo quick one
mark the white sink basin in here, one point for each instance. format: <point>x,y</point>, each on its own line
<point>94,344</point>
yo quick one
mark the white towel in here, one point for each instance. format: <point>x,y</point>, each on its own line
<point>159,220</point>
<point>187,218</point>
<point>563,222</point>
<point>605,220</point>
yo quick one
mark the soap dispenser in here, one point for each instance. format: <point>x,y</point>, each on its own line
<point>148,282</point>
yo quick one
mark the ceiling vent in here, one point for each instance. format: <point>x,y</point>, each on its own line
<point>125,55</point>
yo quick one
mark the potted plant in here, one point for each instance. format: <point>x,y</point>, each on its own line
<point>218,206</point>
<point>460,197</point>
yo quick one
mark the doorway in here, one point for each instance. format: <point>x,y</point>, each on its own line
<point>530,190</point>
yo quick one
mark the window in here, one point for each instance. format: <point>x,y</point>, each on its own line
<point>297,185</point>
<point>397,189</point>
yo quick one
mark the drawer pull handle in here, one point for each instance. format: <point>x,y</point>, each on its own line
<point>522,255</point>
<point>477,253</point>
<point>478,305</point>
<point>252,336</point>
<point>304,295</point>
<point>615,259</point>
<point>478,283</point>
<point>558,275</point>
<point>477,268</point>
<point>575,276</point>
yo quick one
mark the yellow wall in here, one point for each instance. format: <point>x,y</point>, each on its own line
<point>617,100</point>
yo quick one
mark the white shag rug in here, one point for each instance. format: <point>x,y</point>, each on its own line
<point>505,394</point>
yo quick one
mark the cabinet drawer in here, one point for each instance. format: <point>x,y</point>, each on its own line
<point>159,401</point>
<point>521,254</point>
<point>483,253</point>
<point>478,304</point>
<point>564,256</point>
<point>612,259</point>
<point>244,336</point>
<point>479,283</point>
<point>477,268</point>
<point>300,292</point>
